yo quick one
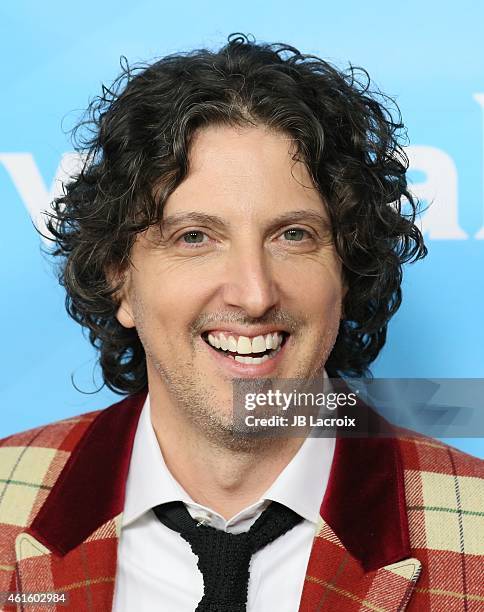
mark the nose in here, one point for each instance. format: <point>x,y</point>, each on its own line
<point>249,284</point>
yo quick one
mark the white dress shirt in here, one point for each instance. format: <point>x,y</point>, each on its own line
<point>156,569</point>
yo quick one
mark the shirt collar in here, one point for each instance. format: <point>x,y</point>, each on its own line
<point>302,483</point>
<point>300,486</point>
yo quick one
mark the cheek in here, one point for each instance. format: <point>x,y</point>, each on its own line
<point>327,311</point>
<point>322,305</point>
<point>166,307</point>
<point>317,286</point>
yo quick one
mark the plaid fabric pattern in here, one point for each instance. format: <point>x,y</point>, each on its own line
<point>30,463</point>
<point>444,491</point>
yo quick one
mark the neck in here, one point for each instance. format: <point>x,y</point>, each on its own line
<point>224,479</point>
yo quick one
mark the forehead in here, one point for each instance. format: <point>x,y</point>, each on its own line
<point>250,171</point>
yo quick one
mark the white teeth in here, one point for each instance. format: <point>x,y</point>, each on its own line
<point>223,342</point>
<point>245,345</point>
<point>251,360</point>
<point>254,360</point>
<point>258,345</point>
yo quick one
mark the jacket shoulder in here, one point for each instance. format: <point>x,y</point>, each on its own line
<point>30,464</point>
<point>61,435</point>
<point>444,498</point>
<point>424,454</point>
<point>444,491</point>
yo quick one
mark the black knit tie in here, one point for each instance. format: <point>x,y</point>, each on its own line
<point>224,558</point>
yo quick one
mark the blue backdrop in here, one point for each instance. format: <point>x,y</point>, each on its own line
<point>55,56</point>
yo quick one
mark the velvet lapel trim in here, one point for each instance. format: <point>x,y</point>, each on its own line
<point>364,503</point>
<point>91,488</point>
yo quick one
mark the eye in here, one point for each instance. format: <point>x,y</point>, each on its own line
<point>296,234</point>
<point>193,237</point>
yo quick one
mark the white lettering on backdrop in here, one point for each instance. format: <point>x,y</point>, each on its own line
<point>30,185</point>
<point>479,97</point>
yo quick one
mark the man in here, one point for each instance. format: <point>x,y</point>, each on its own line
<point>233,204</point>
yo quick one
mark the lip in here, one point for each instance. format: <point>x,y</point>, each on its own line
<point>246,370</point>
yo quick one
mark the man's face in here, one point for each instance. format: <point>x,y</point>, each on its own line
<point>244,256</point>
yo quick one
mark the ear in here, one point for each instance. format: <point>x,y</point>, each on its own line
<point>124,313</point>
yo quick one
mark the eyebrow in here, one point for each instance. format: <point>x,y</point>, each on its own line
<point>293,216</point>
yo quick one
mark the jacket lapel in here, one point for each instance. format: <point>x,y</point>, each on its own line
<point>71,546</point>
<point>361,559</point>
<point>85,575</point>
<point>336,581</point>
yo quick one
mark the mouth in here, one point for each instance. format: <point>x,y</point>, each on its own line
<point>251,351</point>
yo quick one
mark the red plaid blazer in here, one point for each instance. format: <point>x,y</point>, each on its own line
<point>401,522</point>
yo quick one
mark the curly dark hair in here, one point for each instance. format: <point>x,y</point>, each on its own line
<point>136,135</point>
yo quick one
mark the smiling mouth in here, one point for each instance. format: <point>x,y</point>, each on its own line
<point>245,351</point>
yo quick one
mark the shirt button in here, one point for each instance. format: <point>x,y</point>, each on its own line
<point>202,519</point>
